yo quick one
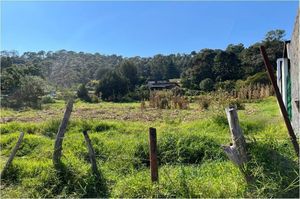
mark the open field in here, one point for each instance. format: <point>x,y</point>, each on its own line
<point>192,164</point>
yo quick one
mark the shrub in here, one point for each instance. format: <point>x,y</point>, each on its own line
<point>83,93</point>
<point>166,100</point>
<point>94,99</point>
<point>206,84</point>
<point>204,102</point>
<point>227,85</point>
<point>47,100</point>
<point>258,78</point>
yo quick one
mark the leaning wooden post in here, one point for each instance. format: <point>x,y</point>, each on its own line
<point>279,99</point>
<point>153,155</point>
<point>61,132</point>
<point>91,153</point>
<point>236,152</point>
<point>12,155</point>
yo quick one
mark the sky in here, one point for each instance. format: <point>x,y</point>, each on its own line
<point>140,28</point>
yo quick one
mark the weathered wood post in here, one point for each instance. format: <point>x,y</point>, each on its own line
<point>61,133</point>
<point>153,155</point>
<point>237,151</point>
<point>13,154</point>
<point>91,153</point>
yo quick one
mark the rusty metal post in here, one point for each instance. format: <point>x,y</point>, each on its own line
<point>279,99</point>
<point>153,155</point>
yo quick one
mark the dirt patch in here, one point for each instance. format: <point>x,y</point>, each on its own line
<point>110,113</point>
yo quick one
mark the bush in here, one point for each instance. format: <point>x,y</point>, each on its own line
<point>192,92</point>
<point>94,99</point>
<point>166,100</point>
<point>47,100</point>
<point>227,85</point>
<point>83,93</point>
<point>258,78</point>
<point>206,84</point>
<point>204,102</point>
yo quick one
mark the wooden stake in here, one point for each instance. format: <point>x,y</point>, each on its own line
<point>12,155</point>
<point>237,151</point>
<point>61,133</point>
<point>153,155</point>
<point>279,99</point>
<point>91,153</point>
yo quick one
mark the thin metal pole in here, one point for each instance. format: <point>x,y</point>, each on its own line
<point>279,99</point>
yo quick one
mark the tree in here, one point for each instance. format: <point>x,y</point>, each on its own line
<point>202,65</point>
<point>129,71</point>
<point>275,35</point>
<point>171,71</point>
<point>226,66</point>
<point>5,62</point>
<point>206,85</point>
<point>29,93</point>
<point>83,93</point>
<point>236,49</point>
<point>252,62</point>
<point>112,87</point>
<point>101,72</point>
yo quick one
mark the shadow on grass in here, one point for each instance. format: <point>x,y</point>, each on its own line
<point>274,175</point>
<point>11,176</point>
<point>91,186</point>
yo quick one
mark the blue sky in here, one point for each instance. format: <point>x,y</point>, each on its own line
<point>140,28</point>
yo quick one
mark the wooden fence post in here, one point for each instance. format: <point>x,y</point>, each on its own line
<point>12,155</point>
<point>153,155</point>
<point>237,151</point>
<point>91,153</point>
<point>61,133</point>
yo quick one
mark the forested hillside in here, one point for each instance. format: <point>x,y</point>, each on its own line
<point>205,70</point>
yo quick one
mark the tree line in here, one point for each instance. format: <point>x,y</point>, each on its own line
<point>115,77</point>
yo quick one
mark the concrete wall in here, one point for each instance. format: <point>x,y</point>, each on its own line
<point>293,54</point>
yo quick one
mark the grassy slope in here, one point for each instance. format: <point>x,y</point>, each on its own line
<point>191,161</point>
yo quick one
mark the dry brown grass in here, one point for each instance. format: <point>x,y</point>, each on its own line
<point>254,92</point>
<point>167,100</point>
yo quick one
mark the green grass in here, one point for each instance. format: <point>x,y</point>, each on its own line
<point>191,161</point>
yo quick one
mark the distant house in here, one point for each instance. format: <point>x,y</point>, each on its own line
<point>161,84</point>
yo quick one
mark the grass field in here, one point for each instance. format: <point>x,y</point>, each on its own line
<point>192,163</point>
